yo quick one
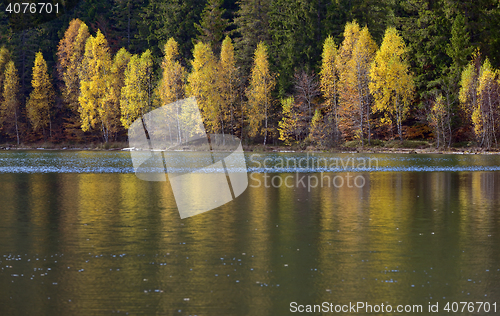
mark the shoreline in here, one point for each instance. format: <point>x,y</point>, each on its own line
<point>271,149</point>
<point>410,151</point>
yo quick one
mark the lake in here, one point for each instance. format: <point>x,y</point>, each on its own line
<point>80,234</point>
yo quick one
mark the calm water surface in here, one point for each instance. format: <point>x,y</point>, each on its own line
<point>81,235</point>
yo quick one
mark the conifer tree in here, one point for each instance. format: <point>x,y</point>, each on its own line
<point>459,48</point>
<point>252,23</point>
<point>212,27</point>
<point>125,20</point>
<point>294,45</point>
<point>163,19</point>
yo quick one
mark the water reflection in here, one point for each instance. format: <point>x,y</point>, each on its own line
<point>80,244</point>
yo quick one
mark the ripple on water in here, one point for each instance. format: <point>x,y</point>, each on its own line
<point>120,162</point>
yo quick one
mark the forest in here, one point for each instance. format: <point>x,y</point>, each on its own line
<point>298,73</point>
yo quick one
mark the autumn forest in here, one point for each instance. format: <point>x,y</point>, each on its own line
<point>293,72</point>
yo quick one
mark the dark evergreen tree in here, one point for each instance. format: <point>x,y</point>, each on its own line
<point>426,30</point>
<point>25,44</point>
<point>125,24</point>
<point>212,27</point>
<point>459,47</point>
<point>459,50</point>
<point>252,27</point>
<point>294,33</point>
<point>5,30</point>
<point>377,15</point>
<point>164,19</point>
<point>482,22</point>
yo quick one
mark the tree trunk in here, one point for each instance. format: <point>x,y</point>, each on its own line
<point>361,114</point>
<point>50,127</point>
<point>128,26</point>
<point>265,127</point>
<point>179,134</point>
<point>17,129</point>
<point>398,119</point>
<point>368,123</point>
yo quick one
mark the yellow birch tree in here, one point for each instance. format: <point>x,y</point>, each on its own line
<point>228,84</point>
<point>357,74</point>
<point>468,88</point>
<point>468,93</point>
<point>485,115</point>
<point>94,75</point>
<point>70,53</point>
<point>116,83</point>
<point>391,82</point>
<point>262,83</point>
<point>202,84</point>
<point>346,89</point>
<point>439,120</point>
<point>329,85</point>
<point>66,46</point>
<point>172,87</point>
<point>319,134</point>
<point>41,98</point>
<point>288,123</point>
<point>137,92</point>
<point>10,99</point>
<point>172,83</point>
<point>4,60</point>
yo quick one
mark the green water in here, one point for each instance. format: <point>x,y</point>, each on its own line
<point>76,243</point>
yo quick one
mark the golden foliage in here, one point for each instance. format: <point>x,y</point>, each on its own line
<point>70,54</point>
<point>202,84</point>
<point>137,93</point>
<point>356,79</point>
<point>485,115</point>
<point>392,84</point>
<point>116,83</point>
<point>95,75</point>
<point>288,122</point>
<point>262,83</point>
<point>329,85</point>
<point>10,105</point>
<point>41,98</point>
<point>4,60</point>
<point>227,83</point>
<point>172,83</point>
